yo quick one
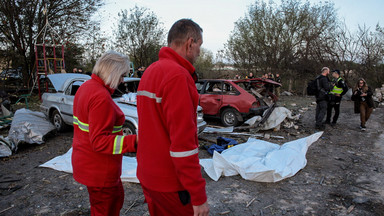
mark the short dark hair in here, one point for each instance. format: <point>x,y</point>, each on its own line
<point>183,29</point>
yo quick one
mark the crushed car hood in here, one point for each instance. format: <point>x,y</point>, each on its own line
<point>59,80</point>
<point>258,80</point>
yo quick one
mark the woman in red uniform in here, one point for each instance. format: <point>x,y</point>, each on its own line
<point>98,141</point>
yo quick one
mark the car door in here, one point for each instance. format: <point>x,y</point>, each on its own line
<point>211,97</point>
<point>66,100</point>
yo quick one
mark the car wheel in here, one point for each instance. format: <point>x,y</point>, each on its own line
<point>230,117</point>
<point>58,122</point>
<point>128,129</point>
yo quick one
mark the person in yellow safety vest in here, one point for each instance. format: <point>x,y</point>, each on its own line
<point>338,89</point>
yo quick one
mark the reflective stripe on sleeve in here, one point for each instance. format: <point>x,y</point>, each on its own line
<point>82,126</point>
<point>150,95</point>
<point>184,153</point>
<point>117,129</point>
<point>118,145</point>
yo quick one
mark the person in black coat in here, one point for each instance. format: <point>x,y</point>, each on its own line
<point>322,97</point>
<point>362,95</point>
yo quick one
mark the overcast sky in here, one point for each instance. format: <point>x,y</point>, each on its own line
<point>217,17</point>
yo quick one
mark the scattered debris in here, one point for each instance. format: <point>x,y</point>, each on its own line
<point>6,147</point>
<point>4,210</point>
<point>278,115</point>
<point>250,202</point>
<point>321,180</point>
<point>350,209</point>
<point>378,95</point>
<point>218,130</point>
<point>253,120</point>
<point>29,127</point>
<point>286,93</point>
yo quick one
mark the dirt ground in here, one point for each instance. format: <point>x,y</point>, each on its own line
<point>344,175</point>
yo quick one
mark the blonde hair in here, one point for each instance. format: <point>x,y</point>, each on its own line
<point>110,67</point>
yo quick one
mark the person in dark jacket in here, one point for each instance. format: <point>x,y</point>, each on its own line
<point>338,89</point>
<point>140,71</point>
<point>362,95</point>
<point>277,88</point>
<point>323,88</point>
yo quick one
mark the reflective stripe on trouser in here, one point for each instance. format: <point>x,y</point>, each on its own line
<point>184,153</point>
<point>118,144</point>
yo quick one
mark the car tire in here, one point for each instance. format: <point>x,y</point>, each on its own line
<point>58,122</point>
<point>128,129</point>
<point>230,117</point>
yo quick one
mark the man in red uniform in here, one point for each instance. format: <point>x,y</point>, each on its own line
<point>168,162</point>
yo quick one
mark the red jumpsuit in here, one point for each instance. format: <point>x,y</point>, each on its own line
<point>98,146</point>
<point>167,156</point>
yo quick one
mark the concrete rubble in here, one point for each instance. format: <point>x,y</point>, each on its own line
<point>378,95</point>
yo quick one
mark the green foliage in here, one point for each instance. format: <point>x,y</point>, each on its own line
<point>204,63</point>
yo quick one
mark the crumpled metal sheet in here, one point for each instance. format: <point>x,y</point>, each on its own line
<point>277,117</point>
<point>29,127</point>
<point>6,147</point>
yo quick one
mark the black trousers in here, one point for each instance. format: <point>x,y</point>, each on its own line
<point>321,110</point>
<point>336,106</point>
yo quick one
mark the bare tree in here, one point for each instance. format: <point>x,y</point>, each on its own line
<point>371,54</point>
<point>95,43</point>
<point>21,20</point>
<point>139,35</point>
<point>285,38</point>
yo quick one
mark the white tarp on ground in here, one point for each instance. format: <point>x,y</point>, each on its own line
<point>261,161</point>
<point>64,163</point>
<point>255,160</point>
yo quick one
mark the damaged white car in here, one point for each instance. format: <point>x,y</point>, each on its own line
<point>57,104</point>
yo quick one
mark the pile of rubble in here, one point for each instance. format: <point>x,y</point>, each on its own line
<point>378,95</point>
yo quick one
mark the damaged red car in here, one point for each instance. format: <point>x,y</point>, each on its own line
<point>233,101</point>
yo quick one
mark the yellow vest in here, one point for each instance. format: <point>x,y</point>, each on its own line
<point>337,90</point>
